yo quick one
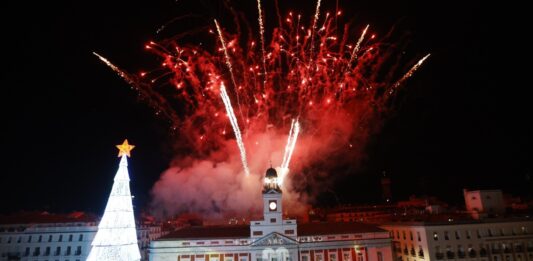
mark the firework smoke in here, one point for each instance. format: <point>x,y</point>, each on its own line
<point>337,87</point>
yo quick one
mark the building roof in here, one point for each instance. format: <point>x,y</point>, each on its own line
<point>450,220</point>
<point>243,231</point>
<point>332,228</point>
<point>210,232</point>
<point>45,217</point>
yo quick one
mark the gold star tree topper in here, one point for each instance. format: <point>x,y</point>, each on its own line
<point>125,148</point>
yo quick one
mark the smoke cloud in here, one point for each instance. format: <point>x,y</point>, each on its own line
<point>216,186</point>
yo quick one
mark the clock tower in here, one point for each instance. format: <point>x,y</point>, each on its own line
<point>272,210</point>
<point>272,207</point>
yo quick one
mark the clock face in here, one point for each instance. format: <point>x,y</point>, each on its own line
<point>272,205</point>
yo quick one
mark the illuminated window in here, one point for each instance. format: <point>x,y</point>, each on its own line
<point>332,257</point>
<point>347,256</point>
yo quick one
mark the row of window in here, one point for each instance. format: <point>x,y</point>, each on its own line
<point>48,251</point>
<point>40,238</point>
<point>458,234</point>
<point>483,250</point>
<point>346,257</point>
<point>406,251</point>
<point>480,233</point>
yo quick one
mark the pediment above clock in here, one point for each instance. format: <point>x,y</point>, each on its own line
<point>274,239</point>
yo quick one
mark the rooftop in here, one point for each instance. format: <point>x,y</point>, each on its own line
<point>45,217</point>
<point>332,228</point>
<point>206,232</point>
<point>243,231</point>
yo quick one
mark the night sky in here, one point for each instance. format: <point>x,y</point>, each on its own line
<point>63,111</point>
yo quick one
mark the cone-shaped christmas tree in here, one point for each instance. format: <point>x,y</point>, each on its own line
<point>116,239</point>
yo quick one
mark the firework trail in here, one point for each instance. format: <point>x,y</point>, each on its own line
<point>358,45</point>
<point>289,149</point>
<point>230,67</point>
<point>235,125</point>
<point>313,30</point>
<point>262,38</point>
<point>408,74</point>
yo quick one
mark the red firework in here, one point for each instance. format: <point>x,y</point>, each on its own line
<point>313,72</point>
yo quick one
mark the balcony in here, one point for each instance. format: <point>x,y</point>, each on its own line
<point>461,254</point>
<point>439,256</point>
<point>472,253</point>
<point>421,254</point>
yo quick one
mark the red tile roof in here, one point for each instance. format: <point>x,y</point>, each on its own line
<point>45,217</point>
<point>331,228</point>
<point>243,231</point>
<point>210,232</point>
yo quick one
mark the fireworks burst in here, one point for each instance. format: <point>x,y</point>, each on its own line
<point>315,73</point>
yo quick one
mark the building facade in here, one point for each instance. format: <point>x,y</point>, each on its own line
<point>484,203</point>
<point>49,237</point>
<point>275,239</point>
<point>483,240</point>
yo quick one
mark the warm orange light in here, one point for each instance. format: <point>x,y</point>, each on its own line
<point>125,148</point>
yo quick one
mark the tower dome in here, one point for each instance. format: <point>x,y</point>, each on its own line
<point>271,181</point>
<point>271,173</point>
